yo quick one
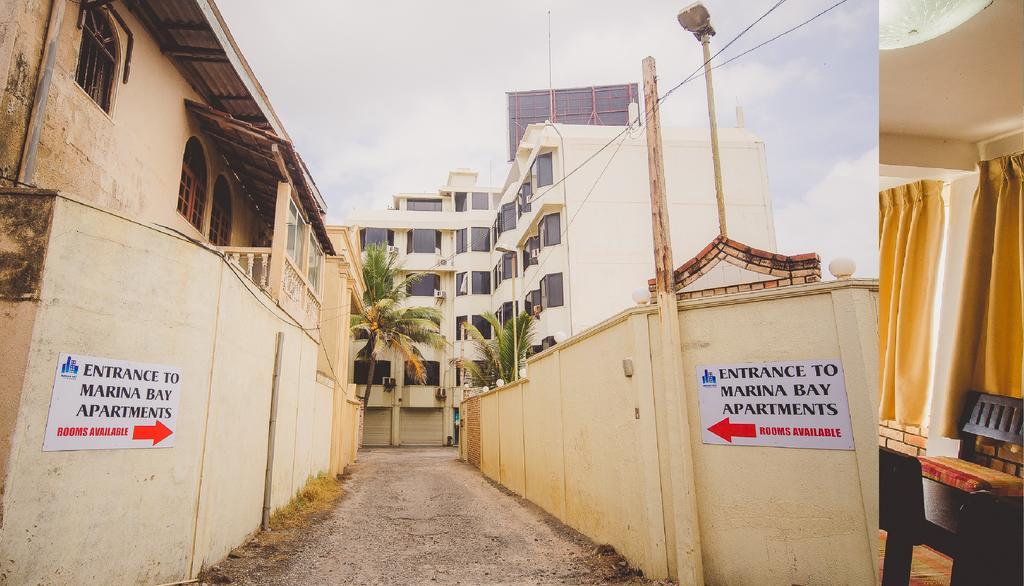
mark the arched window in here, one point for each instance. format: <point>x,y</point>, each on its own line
<point>97,58</point>
<point>192,190</point>
<point>220,217</point>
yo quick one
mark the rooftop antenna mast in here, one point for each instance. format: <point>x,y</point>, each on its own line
<point>551,86</point>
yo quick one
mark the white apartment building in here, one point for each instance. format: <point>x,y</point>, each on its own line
<point>581,246</point>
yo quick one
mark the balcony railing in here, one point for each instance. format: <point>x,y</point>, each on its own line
<point>254,262</point>
<point>298,295</point>
<point>294,294</point>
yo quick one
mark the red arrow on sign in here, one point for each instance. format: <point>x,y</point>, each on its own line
<point>726,430</point>
<point>158,432</point>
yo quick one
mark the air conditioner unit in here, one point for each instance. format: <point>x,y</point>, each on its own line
<point>441,393</point>
<point>439,294</point>
<point>534,254</point>
<point>392,250</point>
<point>389,383</point>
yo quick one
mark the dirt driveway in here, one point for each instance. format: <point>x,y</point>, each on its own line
<point>419,516</point>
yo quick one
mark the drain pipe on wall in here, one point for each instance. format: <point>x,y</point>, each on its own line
<point>27,168</point>
<point>269,478</point>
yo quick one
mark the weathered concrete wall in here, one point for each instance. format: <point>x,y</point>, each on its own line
<point>112,287</point>
<point>22,33</point>
<point>24,233</point>
<point>583,441</point>
<point>129,159</point>
<point>799,516</point>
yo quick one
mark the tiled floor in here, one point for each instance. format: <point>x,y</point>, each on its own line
<point>929,568</point>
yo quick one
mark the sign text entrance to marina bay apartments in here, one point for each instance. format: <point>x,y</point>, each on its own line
<point>791,404</point>
<point>107,404</point>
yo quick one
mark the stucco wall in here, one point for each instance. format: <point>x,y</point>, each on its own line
<point>115,288</point>
<point>593,456</point>
<point>127,160</point>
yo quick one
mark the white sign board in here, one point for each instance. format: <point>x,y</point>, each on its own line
<point>791,404</point>
<point>107,404</point>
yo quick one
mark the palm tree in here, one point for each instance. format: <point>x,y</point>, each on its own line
<point>386,324</point>
<point>498,354</point>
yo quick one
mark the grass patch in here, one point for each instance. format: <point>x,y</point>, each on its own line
<point>318,494</point>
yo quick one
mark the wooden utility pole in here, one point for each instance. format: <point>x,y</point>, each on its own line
<point>681,509</point>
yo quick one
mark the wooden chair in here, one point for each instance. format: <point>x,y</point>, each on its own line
<point>992,416</point>
<point>991,536</point>
<point>916,510</point>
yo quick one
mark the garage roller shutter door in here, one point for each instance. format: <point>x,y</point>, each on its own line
<point>377,427</point>
<point>422,427</point>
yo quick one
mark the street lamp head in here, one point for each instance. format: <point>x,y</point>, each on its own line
<point>696,19</point>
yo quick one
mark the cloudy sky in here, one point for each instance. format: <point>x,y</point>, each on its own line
<point>384,97</point>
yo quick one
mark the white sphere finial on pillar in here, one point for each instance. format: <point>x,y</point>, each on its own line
<point>641,296</point>
<point>842,268</point>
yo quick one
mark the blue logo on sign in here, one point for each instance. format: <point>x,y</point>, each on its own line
<point>69,369</point>
<point>708,380</point>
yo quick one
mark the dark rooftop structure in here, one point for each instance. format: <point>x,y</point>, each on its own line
<point>605,105</point>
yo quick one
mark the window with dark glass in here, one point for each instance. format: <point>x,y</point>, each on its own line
<point>370,236</point>
<point>496,275</point>
<point>508,216</point>
<point>460,241</point>
<point>97,57</point>
<point>460,284</point>
<point>547,342</point>
<point>525,192</point>
<point>551,290</point>
<point>530,250</point>
<point>481,240</point>
<point>426,285</point>
<point>460,202</point>
<point>459,321</point>
<point>532,301</point>
<point>508,265</point>
<point>432,374</point>
<point>381,370</point>
<point>481,284</point>
<point>481,201</point>
<point>505,312</point>
<point>220,217</point>
<point>523,204</point>
<point>542,170</point>
<point>550,230</point>
<point>496,227</point>
<point>481,324</point>
<point>192,188</point>
<point>423,205</point>
<point>423,241</point>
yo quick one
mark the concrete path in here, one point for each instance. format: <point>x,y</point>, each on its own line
<point>419,516</point>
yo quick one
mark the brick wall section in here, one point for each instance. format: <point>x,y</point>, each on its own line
<point>999,457</point>
<point>470,414</point>
<point>911,439</point>
<point>789,270</point>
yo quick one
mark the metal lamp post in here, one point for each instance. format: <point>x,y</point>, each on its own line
<point>515,329</point>
<point>696,19</point>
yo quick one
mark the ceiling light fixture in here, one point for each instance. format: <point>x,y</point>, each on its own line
<point>903,23</point>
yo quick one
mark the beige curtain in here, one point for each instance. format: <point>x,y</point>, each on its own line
<point>911,219</point>
<point>988,347</point>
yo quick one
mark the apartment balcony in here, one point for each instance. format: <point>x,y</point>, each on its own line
<point>254,263</point>
<point>292,291</point>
